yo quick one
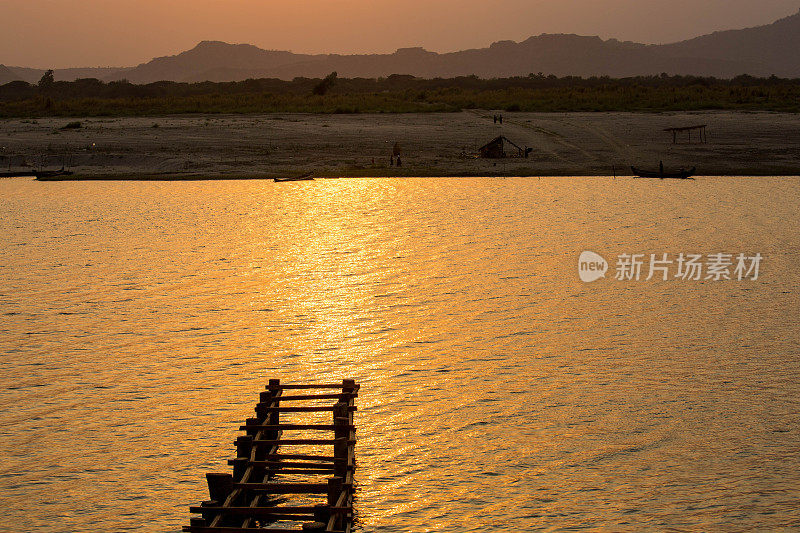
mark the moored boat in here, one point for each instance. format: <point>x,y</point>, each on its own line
<point>38,174</point>
<point>54,175</point>
<point>682,174</point>
<point>305,177</point>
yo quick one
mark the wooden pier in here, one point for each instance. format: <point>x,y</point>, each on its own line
<point>274,490</point>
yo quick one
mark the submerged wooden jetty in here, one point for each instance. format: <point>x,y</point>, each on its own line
<point>272,489</point>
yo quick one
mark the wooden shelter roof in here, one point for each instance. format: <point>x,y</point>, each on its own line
<point>686,128</point>
<point>500,138</point>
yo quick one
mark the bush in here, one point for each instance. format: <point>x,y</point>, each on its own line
<point>325,85</point>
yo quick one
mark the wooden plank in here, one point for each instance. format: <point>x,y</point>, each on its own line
<point>286,464</point>
<point>297,442</point>
<point>278,427</point>
<point>342,500</point>
<point>255,511</point>
<point>305,386</point>
<point>337,396</point>
<point>258,512</point>
<point>302,456</point>
<point>285,471</point>
<point>300,409</point>
<point>272,517</point>
<point>222,529</point>
<point>285,488</point>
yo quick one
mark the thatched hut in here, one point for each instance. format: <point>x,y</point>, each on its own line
<point>495,149</point>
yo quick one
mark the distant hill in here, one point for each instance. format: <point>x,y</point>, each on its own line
<point>758,51</point>
<point>771,49</point>
<point>211,61</point>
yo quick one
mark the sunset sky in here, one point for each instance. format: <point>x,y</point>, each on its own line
<point>67,33</point>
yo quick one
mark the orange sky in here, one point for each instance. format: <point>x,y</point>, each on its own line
<point>62,33</point>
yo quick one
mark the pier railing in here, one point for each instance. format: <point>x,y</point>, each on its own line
<point>270,486</point>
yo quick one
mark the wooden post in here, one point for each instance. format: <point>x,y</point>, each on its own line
<point>335,486</point>
<point>208,516</point>
<point>322,513</point>
<point>321,517</point>
<point>219,486</point>
<point>239,467</point>
<point>253,433</point>
<point>275,416</point>
<point>348,385</point>
<point>341,423</point>
<point>252,422</point>
<point>244,446</point>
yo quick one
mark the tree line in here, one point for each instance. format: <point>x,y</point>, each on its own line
<point>399,93</point>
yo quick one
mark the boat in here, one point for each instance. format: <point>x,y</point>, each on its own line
<point>44,175</point>
<point>304,177</point>
<point>682,174</point>
<point>38,174</point>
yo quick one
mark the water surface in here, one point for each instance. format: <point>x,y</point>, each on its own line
<point>139,321</point>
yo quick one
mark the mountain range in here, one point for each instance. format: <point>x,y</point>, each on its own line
<point>758,51</point>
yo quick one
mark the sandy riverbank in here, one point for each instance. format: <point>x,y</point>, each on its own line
<point>232,146</point>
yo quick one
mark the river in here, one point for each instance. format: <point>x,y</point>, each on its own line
<point>499,392</point>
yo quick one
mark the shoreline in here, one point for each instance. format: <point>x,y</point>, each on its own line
<point>334,175</point>
<point>213,147</point>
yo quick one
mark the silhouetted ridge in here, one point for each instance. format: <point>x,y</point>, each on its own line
<point>758,51</point>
